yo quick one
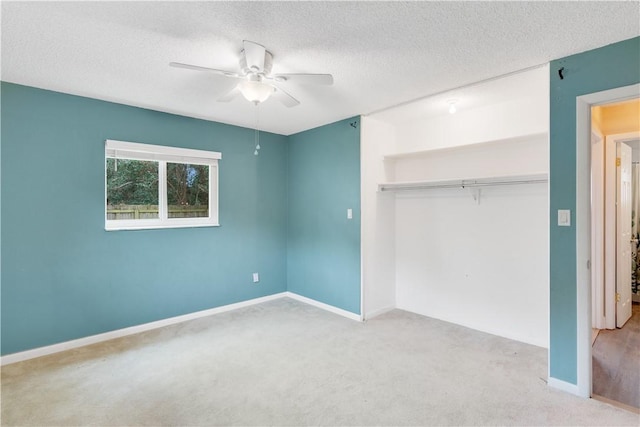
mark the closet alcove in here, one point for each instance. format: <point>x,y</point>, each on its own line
<point>455,217</point>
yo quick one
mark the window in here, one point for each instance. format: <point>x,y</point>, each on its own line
<point>153,186</point>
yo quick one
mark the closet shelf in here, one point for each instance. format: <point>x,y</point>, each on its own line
<point>536,178</point>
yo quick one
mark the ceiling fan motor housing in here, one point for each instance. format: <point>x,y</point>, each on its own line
<point>268,63</point>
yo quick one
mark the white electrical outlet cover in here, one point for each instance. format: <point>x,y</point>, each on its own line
<point>256,277</point>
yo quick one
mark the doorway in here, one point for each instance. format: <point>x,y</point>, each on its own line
<point>583,227</point>
<point>615,252</point>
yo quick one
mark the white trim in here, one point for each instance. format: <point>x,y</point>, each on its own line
<point>624,137</point>
<point>598,194</point>
<point>563,385</point>
<point>583,247</point>
<point>117,227</point>
<point>93,339</point>
<point>583,226</point>
<point>549,251</point>
<point>214,211</point>
<point>163,208</point>
<point>162,155</point>
<point>324,306</point>
<point>129,148</point>
<point>376,313</point>
<point>362,222</point>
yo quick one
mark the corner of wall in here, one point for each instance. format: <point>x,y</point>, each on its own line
<point>378,219</point>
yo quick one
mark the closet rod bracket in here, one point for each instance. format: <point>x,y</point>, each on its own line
<point>475,193</point>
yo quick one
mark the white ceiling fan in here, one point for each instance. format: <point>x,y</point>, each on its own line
<point>256,83</point>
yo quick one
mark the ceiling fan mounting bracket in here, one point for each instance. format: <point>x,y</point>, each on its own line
<point>268,63</point>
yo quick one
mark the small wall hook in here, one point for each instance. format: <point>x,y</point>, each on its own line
<point>354,125</point>
<point>560,73</point>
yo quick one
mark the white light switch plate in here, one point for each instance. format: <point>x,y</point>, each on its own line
<point>349,213</point>
<point>256,278</point>
<point>564,217</point>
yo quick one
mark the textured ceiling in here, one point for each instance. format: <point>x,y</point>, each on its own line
<point>380,53</point>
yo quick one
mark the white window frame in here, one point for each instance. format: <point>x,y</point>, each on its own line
<point>163,155</point>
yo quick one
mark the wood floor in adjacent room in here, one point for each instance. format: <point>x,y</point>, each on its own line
<point>287,363</point>
<point>616,362</point>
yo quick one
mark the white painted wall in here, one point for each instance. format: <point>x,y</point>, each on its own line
<point>378,219</point>
<point>514,118</point>
<point>484,265</point>
<point>516,156</point>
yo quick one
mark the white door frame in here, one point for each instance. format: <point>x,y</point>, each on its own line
<point>603,288</point>
<point>583,224</point>
<point>597,228</point>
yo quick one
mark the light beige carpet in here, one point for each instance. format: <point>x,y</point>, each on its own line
<point>287,363</point>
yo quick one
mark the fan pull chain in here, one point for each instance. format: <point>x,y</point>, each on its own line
<point>257,133</point>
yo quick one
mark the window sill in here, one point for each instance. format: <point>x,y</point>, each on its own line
<point>154,227</point>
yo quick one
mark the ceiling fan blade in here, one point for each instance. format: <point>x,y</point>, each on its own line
<point>211,70</point>
<point>254,54</point>
<point>304,79</point>
<point>229,95</point>
<point>285,98</point>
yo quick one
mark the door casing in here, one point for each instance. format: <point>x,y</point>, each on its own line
<point>583,225</point>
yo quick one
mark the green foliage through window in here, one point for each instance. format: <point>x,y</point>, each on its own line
<point>132,182</point>
<point>132,189</point>
<point>187,184</point>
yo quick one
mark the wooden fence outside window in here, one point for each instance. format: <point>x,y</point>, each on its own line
<point>120,212</point>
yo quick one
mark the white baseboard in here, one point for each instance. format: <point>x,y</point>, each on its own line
<point>563,385</point>
<point>376,313</point>
<point>80,342</point>
<point>93,339</point>
<point>324,306</point>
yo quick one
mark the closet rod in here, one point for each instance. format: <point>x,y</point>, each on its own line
<point>458,184</point>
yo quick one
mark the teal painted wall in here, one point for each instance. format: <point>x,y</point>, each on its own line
<point>601,69</point>
<point>323,258</point>
<point>64,277</point>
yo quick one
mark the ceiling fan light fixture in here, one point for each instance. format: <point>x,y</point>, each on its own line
<point>255,67</point>
<point>254,91</point>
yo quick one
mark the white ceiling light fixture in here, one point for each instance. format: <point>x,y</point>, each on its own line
<point>452,106</point>
<point>254,90</point>
<point>258,84</point>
